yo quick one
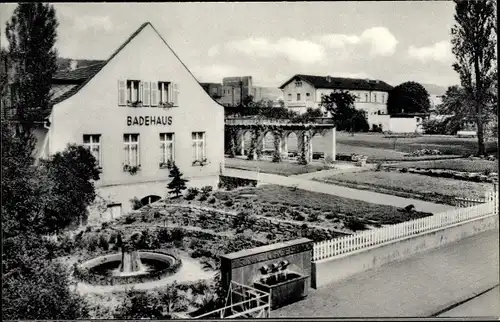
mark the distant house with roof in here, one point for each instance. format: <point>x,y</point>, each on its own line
<point>305,91</point>
<point>137,112</point>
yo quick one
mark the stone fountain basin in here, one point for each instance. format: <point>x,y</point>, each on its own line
<point>94,278</point>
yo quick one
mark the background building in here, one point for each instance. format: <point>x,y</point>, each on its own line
<point>305,91</point>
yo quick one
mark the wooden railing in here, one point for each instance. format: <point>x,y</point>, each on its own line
<point>368,238</point>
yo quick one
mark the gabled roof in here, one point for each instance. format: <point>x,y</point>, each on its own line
<point>91,71</point>
<point>83,75</point>
<point>341,83</point>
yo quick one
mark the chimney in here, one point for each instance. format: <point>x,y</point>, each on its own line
<point>73,64</point>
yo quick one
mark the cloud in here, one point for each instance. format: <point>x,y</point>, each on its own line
<point>302,51</point>
<point>83,23</point>
<point>440,51</point>
<point>379,39</point>
<point>213,51</point>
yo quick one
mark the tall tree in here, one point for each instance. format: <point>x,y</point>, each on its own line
<point>408,97</point>
<point>345,116</point>
<point>474,46</point>
<point>32,35</point>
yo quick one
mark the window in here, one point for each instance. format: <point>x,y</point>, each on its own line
<point>198,146</point>
<point>298,96</point>
<point>131,149</point>
<point>298,83</point>
<point>133,90</point>
<point>366,98</point>
<point>383,98</point>
<point>375,98</point>
<point>289,97</point>
<point>167,148</point>
<point>93,143</point>
<point>308,96</point>
<point>165,92</point>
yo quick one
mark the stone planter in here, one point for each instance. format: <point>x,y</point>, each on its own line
<point>292,290</point>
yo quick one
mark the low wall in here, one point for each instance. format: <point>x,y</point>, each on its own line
<point>333,269</point>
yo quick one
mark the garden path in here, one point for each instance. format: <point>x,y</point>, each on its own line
<point>339,168</point>
<point>344,192</point>
<point>420,286</point>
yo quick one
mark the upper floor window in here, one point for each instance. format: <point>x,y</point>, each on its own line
<point>93,143</point>
<point>198,146</point>
<point>298,83</point>
<point>298,96</point>
<point>131,149</point>
<point>165,92</point>
<point>366,98</point>
<point>289,97</point>
<point>308,96</point>
<point>383,98</point>
<point>167,148</point>
<point>133,91</point>
<point>375,98</point>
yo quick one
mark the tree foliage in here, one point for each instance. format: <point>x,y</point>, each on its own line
<point>260,108</point>
<point>474,42</point>
<point>178,184</point>
<point>32,34</point>
<point>345,116</point>
<point>69,176</point>
<point>408,97</point>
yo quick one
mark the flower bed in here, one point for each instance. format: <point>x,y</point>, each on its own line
<point>461,165</point>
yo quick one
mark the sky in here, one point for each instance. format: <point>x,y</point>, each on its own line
<point>393,41</point>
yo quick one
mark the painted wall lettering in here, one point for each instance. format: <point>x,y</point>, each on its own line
<point>149,120</point>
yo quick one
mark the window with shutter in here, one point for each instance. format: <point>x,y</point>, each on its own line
<point>141,92</point>
<point>122,93</point>
<point>154,94</point>
<point>146,96</point>
<point>176,94</point>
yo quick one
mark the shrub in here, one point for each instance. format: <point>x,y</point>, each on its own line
<point>104,225</point>
<point>201,252</point>
<point>103,242</point>
<point>378,167</point>
<point>112,238</point>
<point>313,216</point>
<point>192,193</point>
<point>177,234</point>
<point>136,203</point>
<point>92,243</point>
<point>229,203</point>
<point>129,219</point>
<point>330,215</point>
<point>211,200</point>
<point>206,190</point>
<point>403,170</point>
<point>355,224</point>
<point>163,235</point>
<point>202,197</point>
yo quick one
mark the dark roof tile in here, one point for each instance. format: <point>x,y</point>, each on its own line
<point>341,83</point>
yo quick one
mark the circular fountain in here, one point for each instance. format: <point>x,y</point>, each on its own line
<point>128,267</point>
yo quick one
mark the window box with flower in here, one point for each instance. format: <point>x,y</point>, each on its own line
<point>134,103</point>
<point>131,169</point>
<point>200,162</point>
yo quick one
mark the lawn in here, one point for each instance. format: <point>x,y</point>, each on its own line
<point>450,145</point>
<point>286,168</point>
<point>442,190</point>
<point>464,165</point>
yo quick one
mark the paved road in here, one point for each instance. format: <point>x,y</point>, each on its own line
<point>420,286</point>
<point>345,192</point>
<point>485,305</point>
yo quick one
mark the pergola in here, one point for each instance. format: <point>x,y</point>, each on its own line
<point>259,127</point>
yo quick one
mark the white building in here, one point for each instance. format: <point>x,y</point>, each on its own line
<point>136,111</point>
<point>305,91</point>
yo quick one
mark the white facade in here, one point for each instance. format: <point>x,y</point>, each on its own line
<point>406,124</point>
<point>124,136</point>
<point>299,96</point>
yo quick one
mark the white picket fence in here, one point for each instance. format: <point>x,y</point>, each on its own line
<point>368,238</point>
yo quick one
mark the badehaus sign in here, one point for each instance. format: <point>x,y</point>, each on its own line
<point>149,120</point>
